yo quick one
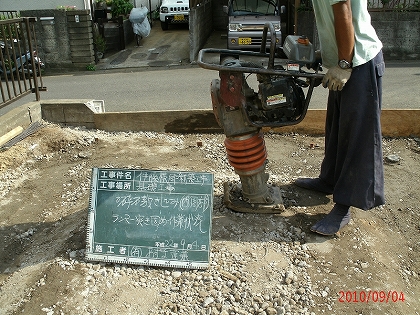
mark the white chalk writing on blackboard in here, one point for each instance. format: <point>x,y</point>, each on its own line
<point>197,202</point>
<point>162,250</point>
<point>187,222</point>
<point>149,181</point>
<point>150,217</point>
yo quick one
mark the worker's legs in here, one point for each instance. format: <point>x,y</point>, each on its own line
<point>353,146</point>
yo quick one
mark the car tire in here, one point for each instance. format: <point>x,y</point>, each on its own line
<point>164,25</point>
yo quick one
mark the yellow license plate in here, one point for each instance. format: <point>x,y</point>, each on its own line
<point>244,40</point>
<point>179,17</point>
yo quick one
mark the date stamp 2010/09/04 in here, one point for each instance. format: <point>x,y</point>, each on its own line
<point>368,296</point>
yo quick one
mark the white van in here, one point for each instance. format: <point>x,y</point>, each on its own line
<point>246,23</point>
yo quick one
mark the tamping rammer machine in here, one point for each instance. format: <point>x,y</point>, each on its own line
<point>242,112</point>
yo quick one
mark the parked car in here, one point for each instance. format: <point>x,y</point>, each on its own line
<point>246,23</point>
<point>174,12</point>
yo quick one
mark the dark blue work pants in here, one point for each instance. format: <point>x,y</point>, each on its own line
<point>353,162</point>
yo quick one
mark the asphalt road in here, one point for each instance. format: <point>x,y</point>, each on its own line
<point>156,76</point>
<point>189,88</point>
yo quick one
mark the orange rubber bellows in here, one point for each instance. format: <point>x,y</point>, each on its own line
<point>246,155</point>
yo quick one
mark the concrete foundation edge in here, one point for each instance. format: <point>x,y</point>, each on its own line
<point>21,116</point>
<point>395,122</point>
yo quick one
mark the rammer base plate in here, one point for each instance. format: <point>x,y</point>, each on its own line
<point>234,200</point>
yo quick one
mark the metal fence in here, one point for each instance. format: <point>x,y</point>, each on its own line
<point>20,67</point>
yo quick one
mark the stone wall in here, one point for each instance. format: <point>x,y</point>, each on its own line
<point>53,42</point>
<point>64,38</point>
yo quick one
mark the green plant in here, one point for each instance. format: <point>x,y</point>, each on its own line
<point>100,4</point>
<point>121,7</point>
<point>305,6</point>
<point>90,67</point>
<point>155,14</point>
<point>100,43</point>
<point>9,64</point>
<point>67,7</point>
<point>416,5</point>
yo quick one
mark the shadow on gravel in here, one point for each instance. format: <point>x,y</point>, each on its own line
<point>32,243</point>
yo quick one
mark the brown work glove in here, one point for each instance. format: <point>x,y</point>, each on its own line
<point>336,78</point>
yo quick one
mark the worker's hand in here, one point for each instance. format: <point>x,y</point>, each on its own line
<point>336,78</point>
<point>317,64</point>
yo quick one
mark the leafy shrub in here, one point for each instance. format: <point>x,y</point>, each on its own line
<point>121,7</point>
<point>90,67</point>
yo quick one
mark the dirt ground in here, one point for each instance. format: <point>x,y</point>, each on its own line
<point>44,196</point>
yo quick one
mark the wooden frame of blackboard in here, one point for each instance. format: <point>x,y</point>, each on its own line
<point>150,217</point>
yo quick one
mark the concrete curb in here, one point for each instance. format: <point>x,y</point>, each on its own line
<point>21,116</point>
<point>395,122</point>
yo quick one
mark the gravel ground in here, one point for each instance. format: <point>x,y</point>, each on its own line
<point>260,264</point>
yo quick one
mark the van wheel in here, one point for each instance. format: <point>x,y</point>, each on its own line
<point>164,25</point>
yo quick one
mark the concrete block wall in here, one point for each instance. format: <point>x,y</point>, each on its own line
<point>79,28</point>
<point>111,32</point>
<point>112,35</point>
<point>398,31</point>
<point>201,26</point>
<point>128,31</point>
<point>68,112</point>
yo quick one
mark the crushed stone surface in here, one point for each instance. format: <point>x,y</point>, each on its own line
<point>259,264</point>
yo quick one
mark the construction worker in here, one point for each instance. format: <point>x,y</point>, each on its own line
<point>352,168</point>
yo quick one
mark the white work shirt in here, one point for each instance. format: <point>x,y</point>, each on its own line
<point>367,44</point>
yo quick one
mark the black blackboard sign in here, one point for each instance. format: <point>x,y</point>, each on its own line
<point>150,217</point>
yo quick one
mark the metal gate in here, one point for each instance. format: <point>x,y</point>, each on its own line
<point>20,67</point>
